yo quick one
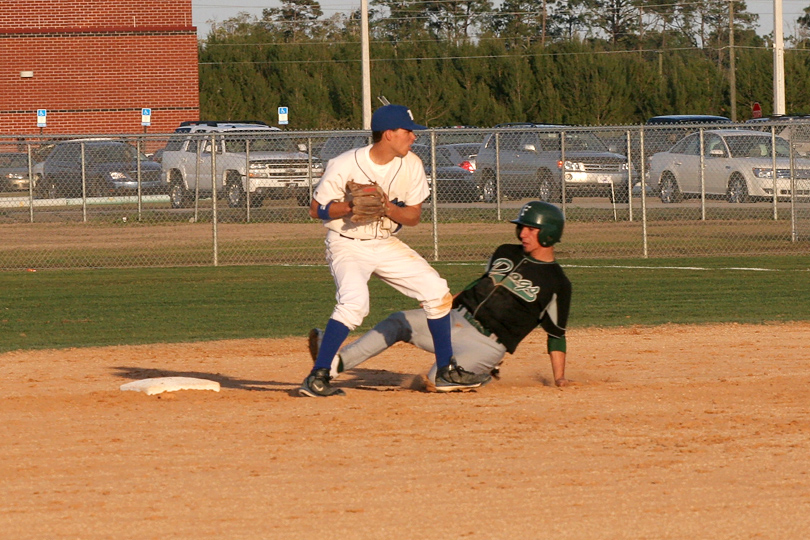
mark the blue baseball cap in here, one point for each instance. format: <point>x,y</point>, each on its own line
<point>393,117</point>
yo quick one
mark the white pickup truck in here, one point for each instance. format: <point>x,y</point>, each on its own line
<point>251,162</point>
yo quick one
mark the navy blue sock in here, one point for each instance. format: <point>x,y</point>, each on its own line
<point>440,332</point>
<point>333,337</point>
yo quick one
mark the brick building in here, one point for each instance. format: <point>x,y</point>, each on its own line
<point>94,64</point>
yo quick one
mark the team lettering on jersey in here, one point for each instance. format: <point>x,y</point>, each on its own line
<point>501,273</point>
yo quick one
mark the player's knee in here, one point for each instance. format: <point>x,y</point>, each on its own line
<point>436,309</point>
<point>351,316</point>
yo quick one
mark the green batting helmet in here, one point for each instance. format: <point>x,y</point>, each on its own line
<point>544,216</point>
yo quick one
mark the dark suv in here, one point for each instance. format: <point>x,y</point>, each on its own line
<point>109,167</point>
<point>532,164</point>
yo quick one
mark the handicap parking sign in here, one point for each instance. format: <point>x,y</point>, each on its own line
<point>282,115</point>
<point>42,117</point>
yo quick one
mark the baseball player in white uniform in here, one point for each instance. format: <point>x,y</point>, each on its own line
<point>359,246</point>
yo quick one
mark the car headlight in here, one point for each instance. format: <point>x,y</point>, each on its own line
<point>625,167</point>
<point>118,176</point>
<point>16,176</point>
<point>763,173</point>
<point>573,166</point>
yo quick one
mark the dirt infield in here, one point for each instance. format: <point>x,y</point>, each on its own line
<point>669,432</point>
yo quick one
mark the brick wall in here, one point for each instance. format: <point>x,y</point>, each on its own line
<point>95,64</point>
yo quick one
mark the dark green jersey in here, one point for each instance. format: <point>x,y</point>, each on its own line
<point>516,294</point>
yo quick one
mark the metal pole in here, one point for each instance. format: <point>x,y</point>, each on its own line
<point>199,142</point>
<point>140,190</point>
<point>702,178</point>
<point>778,60</point>
<point>774,173</point>
<point>644,248</point>
<point>366,61</point>
<point>498,175</point>
<point>433,207</point>
<point>630,178</point>
<point>247,180</point>
<point>30,185</point>
<point>794,233</point>
<point>84,189</point>
<point>309,167</point>
<point>732,72</point>
<point>215,239</point>
<point>562,173</point>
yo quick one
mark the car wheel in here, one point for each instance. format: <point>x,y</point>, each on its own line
<point>549,190</point>
<point>737,190</point>
<point>489,189</point>
<point>235,194</point>
<point>179,195</point>
<point>670,192</point>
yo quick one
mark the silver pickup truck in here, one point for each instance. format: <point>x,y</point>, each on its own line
<point>250,162</point>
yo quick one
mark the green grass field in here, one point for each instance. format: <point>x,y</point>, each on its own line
<point>57,309</point>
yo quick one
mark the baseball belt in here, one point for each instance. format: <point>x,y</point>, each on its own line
<point>477,325</point>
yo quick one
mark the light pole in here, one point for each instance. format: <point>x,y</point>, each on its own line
<point>366,69</point>
<point>778,60</point>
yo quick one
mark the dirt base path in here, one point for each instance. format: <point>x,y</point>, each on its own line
<point>669,432</point>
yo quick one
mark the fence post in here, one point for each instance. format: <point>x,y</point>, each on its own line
<point>140,187</point>
<point>215,238</point>
<point>30,185</point>
<point>702,177</point>
<point>84,187</point>
<point>644,247</point>
<point>199,142</point>
<point>774,173</point>
<point>630,178</point>
<point>433,207</point>
<point>563,196</point>
<point>247,180</point>
<point>794,233</point>
<point>498,175</point>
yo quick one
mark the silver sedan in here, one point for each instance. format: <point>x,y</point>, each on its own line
<point>737,164</point>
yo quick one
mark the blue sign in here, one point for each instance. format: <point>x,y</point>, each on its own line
<point>42,117</point>
<point>146,117</point>
<point>282,115</point>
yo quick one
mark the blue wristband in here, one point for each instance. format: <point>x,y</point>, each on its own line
<point>323,211</point>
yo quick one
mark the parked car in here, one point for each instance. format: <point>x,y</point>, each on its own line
<point>664,131</point>
<point>462,154</point>
<point>337,144</point>
<point>793,128</point>
<point>14,171</point>
<point>453,182</point>
<point>110,167</point>
<point>738,165</point>
<point>532,165</point>
<point>251,157</point>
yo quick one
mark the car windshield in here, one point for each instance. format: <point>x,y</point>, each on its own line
<point>113,153</point>
<point>575,141</point>
<point>442,156</point>
<point>260,145</point>
<point>14,161</point>
<point>754,146</point>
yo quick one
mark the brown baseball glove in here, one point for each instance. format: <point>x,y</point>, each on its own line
<point>368,202</point>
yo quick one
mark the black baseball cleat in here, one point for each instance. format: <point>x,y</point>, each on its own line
<point>317,385</point>
<point>452,378</point>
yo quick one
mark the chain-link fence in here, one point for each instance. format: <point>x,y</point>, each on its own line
<point>213,194</point>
